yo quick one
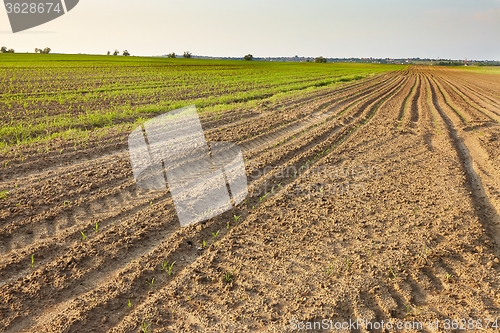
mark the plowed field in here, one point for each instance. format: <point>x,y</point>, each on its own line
<point>376,200</point>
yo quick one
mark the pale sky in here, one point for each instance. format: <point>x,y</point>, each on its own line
<point>455,29</point>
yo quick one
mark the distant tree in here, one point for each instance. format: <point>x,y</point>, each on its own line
<point>11,51</point>
<point>171,55</point>
<point>36,50</point>
<point>116,53</point>
<point>3,49</point>
<point>248,57</point>
<point>109,53</point>
<point>46,50</point>
<point>450,63</point>
<point>320,59</point>
<point>187,54</point>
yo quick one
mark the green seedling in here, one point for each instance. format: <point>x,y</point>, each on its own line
<point>168,267</point>
<point>164,265</point>
<point>96,227</point>
<point>330,270</point>
<point>411,310</point>
<point>348,263</point>
<point>66,202</point>
<point>129,304</point>
<point>84,237</point>
<point>215,234</point>
<point>145,327</point>
<point>228,225</point>
<point>228,277</point>
<point>4,194</point>
<point>32,261</point>
<point>151,283</point>
<point>448,277</point>
<point>204,243</point>
<point>392,272</point>
<point>236,218</point>
<point>408,308</point>
<point>425,251</point>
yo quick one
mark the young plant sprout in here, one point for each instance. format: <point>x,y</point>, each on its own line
<point>168,267</point>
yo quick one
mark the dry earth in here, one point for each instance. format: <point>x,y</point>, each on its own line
<point>377,200</point>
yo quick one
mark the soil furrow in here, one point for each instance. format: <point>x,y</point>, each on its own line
<point>75,234</point>
<point>486,210</point>
<point>492,115</point>
<point>297,162</point>
<point>402,110</point>
<point>370,200</point>
<point>309,151</point>
<point>414,102</point>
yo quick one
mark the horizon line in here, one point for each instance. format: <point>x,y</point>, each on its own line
<point>198,56</point>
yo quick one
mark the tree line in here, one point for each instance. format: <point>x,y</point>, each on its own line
<point>4,49</point>
<point>125,53</point>
<point>186,54</point>
<point>46,50</point>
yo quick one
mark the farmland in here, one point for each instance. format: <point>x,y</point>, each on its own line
<point>374,194</point>
<point>53,96</point>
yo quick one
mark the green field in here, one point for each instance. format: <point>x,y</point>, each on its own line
<point>43,97</point>
<point>482,69</point>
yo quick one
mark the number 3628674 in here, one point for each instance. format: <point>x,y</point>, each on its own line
<point>33,8</point>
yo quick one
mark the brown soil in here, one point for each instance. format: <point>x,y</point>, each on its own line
<point>376,201</point>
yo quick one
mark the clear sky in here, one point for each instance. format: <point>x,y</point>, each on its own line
<point>455,29</point>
